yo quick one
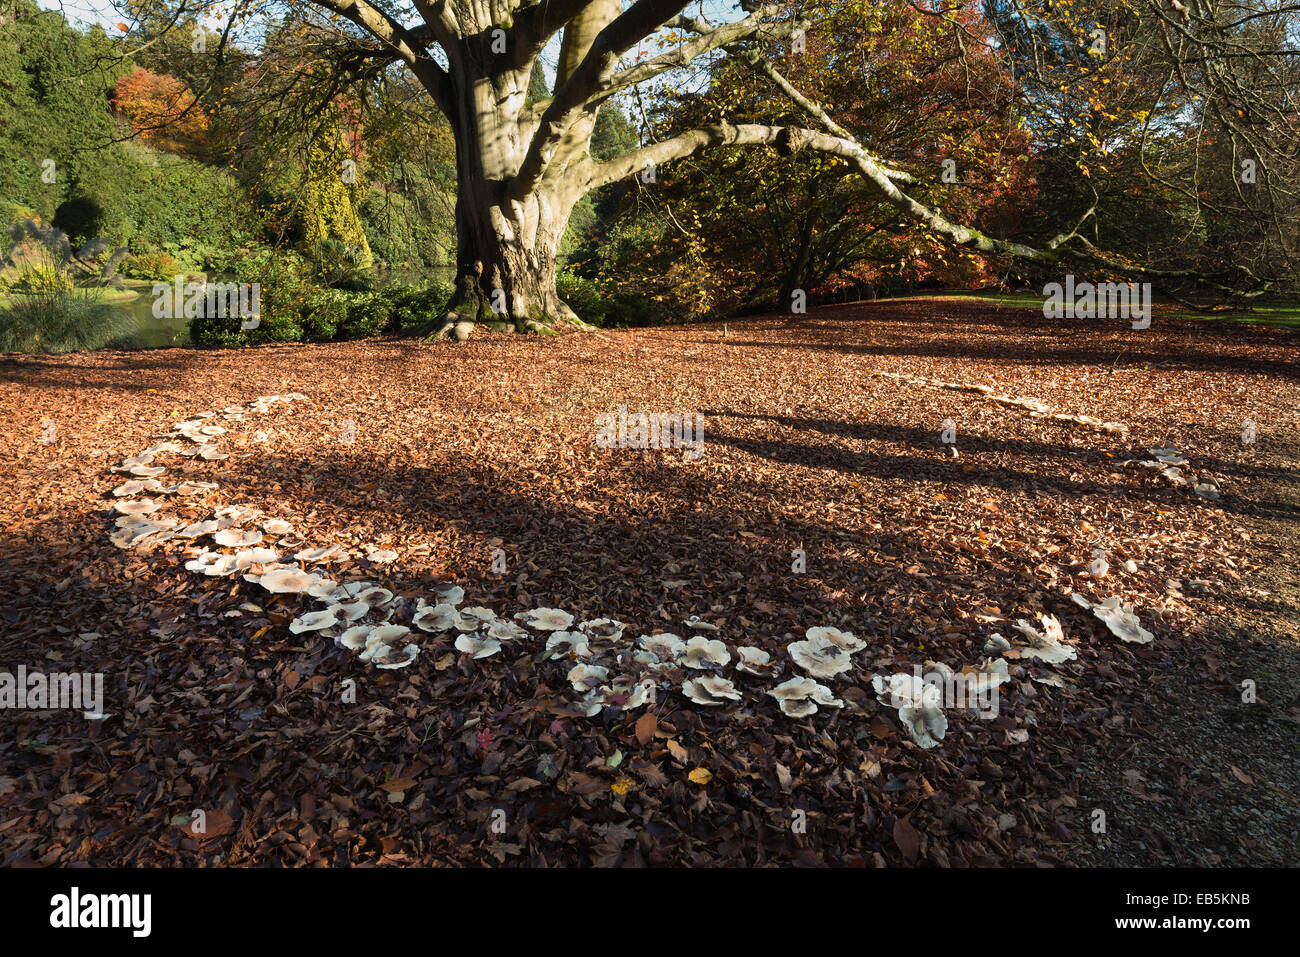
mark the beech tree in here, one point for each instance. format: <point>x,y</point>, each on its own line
<point>523,163</point>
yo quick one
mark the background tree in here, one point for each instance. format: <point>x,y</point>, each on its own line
<point>523,165</point>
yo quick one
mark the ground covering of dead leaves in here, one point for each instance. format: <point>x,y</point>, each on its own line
<point>460,449</point>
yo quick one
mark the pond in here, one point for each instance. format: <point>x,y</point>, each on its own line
<point>149,331</point>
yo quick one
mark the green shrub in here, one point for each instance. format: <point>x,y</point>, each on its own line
<point>36,277</point>
<point>156,264</point>
<point>367,316</point>
<point>323,315</point>
<point>59,320</point>
<point>335,265</point>
<point>602,305</point>
<point>412,305</point>
<point>285,292</point>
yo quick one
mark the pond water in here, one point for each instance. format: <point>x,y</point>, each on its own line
<point>150,331</point>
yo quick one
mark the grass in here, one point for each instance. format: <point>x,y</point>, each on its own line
<point>57,321</point>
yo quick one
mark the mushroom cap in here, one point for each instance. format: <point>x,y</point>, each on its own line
<point>545,619</point>
<point>353,611</point>
<point>480,646</point>
<point>602,628</point>
<point>325,553</point>
<point>754,661</point>
<point>794,689</point>
<point>136,486</point>
<point>710,690</point>
<point>698,623</point>
<point>701,653</point>
<point>1121,621</point>
<point>820,657</point>
<point>314,621</point>
<point>237,537</point>
<point>1048,645</point>
<point>277,526</point>
<point>584,677</point>
<point>382,556</point>
<point>448,594</point>
<point>798,707</point>
<point>354,638</point>
<point>397,658</point>
<point>435,618</point>
<point>288,580</point>
<point>926,725</point>
<point>326,588</point>
<point>254,556</point>
<point>505,630</point>
<point>143,506</point>
<point>373,595</point>
<point>198,528</point>
<point>905,690</point>
<point>844,640</point>
<point>565,644</point>
<point>664,645</point>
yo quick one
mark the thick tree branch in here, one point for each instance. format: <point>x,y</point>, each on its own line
<point>640,20</point>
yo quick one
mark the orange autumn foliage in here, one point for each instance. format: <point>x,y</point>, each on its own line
<point>162,111</point>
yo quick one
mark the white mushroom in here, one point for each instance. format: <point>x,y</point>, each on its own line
<point>141,506</point>
<point>1048,645</point>
<point>237,537</point>
<point>754,661</point>
<point>545,619</point>
<point>665,646</point>
<point>354,638</point>
<point>288,580</point>
<point>602,628</point>
<point>820,657</point>
<point>354,611</point>
<point>799,697</point>
<point>584,677</point>
<point>996,645</point>
<point>435,618</point>
<point>326,553</point>
<point>135,487</point>
<point>314,621</point>
<point>277,526</point>
<point>567,644</point>
<point>700,624</point>
<point>254,556</point>
<point>710,691</point>
<point>918,703</point>
<point>1121,621</point>
<point>505,630</point>
<point>397,658</point>
<point>480,646</point>
<point>845,640</point>
<point>448,593</point>
<point>701,653</point>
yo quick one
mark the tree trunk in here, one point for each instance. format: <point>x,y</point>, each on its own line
<point>506,245</point>
<point>506,256</point>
